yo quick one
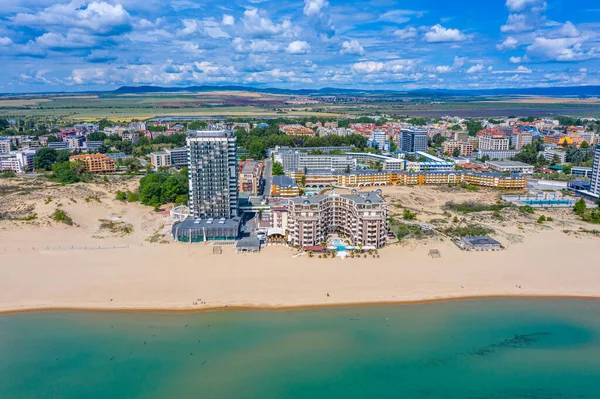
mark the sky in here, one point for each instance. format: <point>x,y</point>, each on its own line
<point>82,45</point>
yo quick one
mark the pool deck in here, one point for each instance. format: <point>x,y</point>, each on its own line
<point>545,201</point>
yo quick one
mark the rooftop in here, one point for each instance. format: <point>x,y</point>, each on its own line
<point>284,181</point>
<point>508,163</point>
<point>210,134</point>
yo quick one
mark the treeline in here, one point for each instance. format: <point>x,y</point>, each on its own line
<point>158,189</point>
<point>259,139</point>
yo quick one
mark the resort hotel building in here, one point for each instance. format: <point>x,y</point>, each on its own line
<point>359,217</point>
<point>213,188</point>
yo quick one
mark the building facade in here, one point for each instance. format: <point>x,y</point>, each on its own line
<point>251,177</point>
<point>493,143</point>
<point>360,217</point>
<point>212,174</point>
<point>520,139</point>
<point>96,163</point>
<point>284,186</point>
<point>595,179</point>
<point>413,140</point>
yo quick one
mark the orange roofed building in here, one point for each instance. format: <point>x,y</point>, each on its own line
<point>96,163</point>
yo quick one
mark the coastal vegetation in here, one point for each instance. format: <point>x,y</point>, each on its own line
<point>61,216</point>
<point>471,207</point>
<point>468,230</point>
<point>588,215</point>
<point>116,227</point>
<point>157,189</point>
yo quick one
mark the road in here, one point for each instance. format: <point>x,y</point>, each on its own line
<point>268,178</point>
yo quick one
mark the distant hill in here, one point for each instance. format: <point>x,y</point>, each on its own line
<point>579,91</point>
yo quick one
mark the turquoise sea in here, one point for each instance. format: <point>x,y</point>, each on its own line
<point>480,349</point>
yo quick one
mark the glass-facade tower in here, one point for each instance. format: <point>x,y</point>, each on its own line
<point>212,174</point>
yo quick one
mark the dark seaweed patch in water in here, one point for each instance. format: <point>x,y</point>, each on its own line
<point>519,341</point>
<point>516,342</point>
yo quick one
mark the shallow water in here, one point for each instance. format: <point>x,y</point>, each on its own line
<point>494,348</point>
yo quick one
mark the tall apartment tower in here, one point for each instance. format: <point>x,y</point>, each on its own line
<point>413,140</point>
<point>595,179</point>
<point>212,174</point>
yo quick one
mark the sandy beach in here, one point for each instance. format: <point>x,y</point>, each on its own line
<point>48,265</point>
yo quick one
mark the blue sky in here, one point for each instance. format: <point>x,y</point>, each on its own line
<point>57,45</point>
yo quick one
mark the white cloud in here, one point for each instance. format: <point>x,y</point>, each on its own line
<point>5,41</point>
<point>509,43</point>
<point>318,13</point>
<point>400,16</point>
<point>520,70</point>
<point>439,34</point>
<point>569,30</point>
<point>443,69</point>
<point>255,46</point>
<point>314,7</point>
<point>228,20</point>
<point>98,17</point>
<point>476,69</point>
<point>367,66</point>
<point>407,33</point>
<point>298,47</point>
<point>352,47</point>
<point>515,60</point>
<point>394,66</point>
<point>520,5</point>
<point>561,49</point>
<point>258,23</point>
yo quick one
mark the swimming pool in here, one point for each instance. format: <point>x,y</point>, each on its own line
<point>339,245</point>
<point>548,202</point>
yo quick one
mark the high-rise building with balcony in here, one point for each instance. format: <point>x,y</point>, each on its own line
<point>212,174</point>
<point>595,179</point>
<point>413,139</point>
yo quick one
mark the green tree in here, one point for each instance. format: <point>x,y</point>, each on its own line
<point>63,155</point>
<point>257,149</point>
<point>197,125</point>
<point>584,145</point>
<point>44,158</point>
<point>96,136</point>
<point>278,169</point>
<point>52,139</point>
<point>456,152</point>
<point>580,207</point>
<point>68,172</point>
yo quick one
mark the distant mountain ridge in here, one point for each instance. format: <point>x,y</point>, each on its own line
<point>580,91</point>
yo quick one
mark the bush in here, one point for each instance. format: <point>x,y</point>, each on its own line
<point>527,209</point>
<point>121,196</point>
<point>471,207</point>
<point>5,174</point>
<point>408,215</point>
<point>61,216</point>
<point>470,230</point>
<point>541,219</point>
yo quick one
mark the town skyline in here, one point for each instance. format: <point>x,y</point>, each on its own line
<point>83,45</point>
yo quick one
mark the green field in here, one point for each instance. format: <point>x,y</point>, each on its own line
<point>222,104</point>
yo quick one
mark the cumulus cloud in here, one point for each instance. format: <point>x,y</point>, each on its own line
<point>394,66</point>
<point>525,15</point>
<point>255,46</point>
<point>439,34</point>
<point>407,33</point>
<point>298,47</point>
<point>563,49</point>
<point>515,60</point>
<point>520,5</point>
<point>228,20</point>
<point>5,41</point>
<point>317,11</point>
<point>510,43</point>
<point>257,22</point>
<point>98,17</point>
<point>352,47</point>
<point>476,69</point>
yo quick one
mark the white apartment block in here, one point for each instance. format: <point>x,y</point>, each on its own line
<point>493,143</point>
<point>360,217</point>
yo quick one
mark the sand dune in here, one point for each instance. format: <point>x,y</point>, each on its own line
<point>46,265</point>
